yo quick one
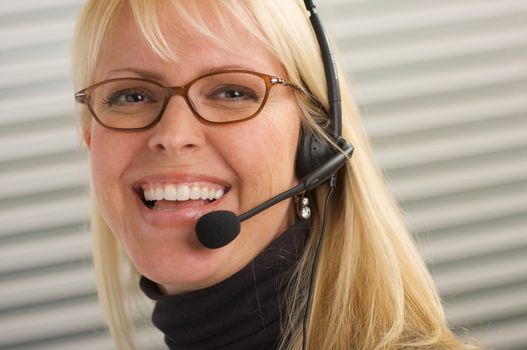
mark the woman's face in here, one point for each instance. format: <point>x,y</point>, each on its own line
<point>249,161</point>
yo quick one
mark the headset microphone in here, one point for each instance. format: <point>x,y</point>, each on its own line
<point>218,228</point>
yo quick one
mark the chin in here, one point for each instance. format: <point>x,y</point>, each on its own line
<point>185,270</point>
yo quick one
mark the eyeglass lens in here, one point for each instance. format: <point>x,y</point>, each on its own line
<point>217,98</point>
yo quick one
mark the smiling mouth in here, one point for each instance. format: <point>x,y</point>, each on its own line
<point>172,197</point>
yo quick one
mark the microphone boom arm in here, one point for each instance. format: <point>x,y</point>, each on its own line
<point>284,195</point>
<point>309,182</point>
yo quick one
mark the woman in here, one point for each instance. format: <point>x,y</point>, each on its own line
<point>248,81</point>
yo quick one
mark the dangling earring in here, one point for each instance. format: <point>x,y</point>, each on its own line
<point>302,206</point>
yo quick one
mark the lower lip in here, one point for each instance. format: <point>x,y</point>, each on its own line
<point>183,216</point>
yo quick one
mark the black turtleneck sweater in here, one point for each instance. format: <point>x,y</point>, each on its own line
<point>240,313</point>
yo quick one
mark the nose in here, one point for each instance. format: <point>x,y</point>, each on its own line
<point>178,132</point>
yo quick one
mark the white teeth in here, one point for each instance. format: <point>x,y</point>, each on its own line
<point>204,193</point>
<point>170,193</point>
<point>218,194</point>
<point>183,192</point>
<point>195,192</point>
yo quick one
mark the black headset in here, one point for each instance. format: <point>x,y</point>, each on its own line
<point>313,149</point>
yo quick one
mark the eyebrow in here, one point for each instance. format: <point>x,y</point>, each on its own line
<point>153,75</point>
<point>141,72</point>
<point>213,69</point>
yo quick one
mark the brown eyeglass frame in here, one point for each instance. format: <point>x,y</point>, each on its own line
<point>83,96</point>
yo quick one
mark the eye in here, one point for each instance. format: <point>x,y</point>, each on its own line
<point>233,93</point>
<point>129,97</point>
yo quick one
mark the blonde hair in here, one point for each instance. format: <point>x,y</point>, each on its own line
<point>372,289</point>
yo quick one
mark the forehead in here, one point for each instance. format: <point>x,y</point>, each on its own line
<point>224,42</point>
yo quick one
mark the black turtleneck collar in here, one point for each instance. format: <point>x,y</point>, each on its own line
<point>242,312</point>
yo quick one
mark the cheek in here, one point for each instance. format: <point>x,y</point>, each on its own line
<point>267,150</point>
<point>101,157</point>
<point>110,153</point>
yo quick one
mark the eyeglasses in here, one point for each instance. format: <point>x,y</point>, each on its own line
<point>222,97</point>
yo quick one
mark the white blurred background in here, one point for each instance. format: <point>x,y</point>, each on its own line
<point>442,86</point>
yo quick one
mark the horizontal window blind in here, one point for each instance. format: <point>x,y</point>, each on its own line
<point>441,85</point>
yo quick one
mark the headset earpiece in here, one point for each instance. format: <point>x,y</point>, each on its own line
<point>313,151</point>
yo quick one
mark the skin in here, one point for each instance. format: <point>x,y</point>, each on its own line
<point>254,158</point>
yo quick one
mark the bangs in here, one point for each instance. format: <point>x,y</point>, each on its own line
<point>159,26</point>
